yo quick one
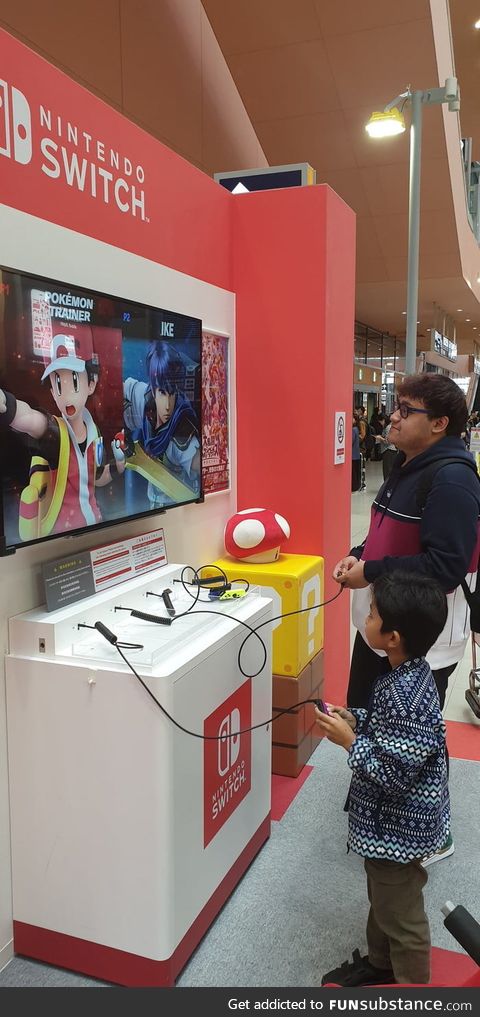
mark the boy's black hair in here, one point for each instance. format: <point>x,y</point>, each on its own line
<point>415,606</point>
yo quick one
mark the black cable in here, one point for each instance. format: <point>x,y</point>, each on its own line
<point>195,734</point>
<point>162,620</point>
<point>159,620</point>
<point>289,614</point>
<point>126,646</point>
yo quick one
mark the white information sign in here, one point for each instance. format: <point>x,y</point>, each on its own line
<point>114,563</point>
<point>475,440</point>
<point>339,442</point>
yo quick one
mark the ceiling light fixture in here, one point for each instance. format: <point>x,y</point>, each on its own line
<point>386,124</point>
<point>477,24</point>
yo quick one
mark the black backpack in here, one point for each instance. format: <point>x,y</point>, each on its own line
<point>423,490</point>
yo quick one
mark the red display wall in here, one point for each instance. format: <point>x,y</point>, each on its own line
<point>294,271</point>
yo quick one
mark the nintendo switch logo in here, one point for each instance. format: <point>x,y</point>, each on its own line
<point>228,742</point>
<point>227,759</point>
<point>15,125</point>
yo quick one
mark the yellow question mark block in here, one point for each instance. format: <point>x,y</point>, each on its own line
<point>294,582</point>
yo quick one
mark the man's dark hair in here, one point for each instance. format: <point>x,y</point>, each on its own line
<point>415,606</point>
<point>440,396</point>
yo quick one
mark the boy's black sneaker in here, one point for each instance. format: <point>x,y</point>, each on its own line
<point>359,972</point>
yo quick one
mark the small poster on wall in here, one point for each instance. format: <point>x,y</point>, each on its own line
<point>339,445</point>
<point>215,434</point>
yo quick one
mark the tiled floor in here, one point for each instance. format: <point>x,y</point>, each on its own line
<point>456,707</point>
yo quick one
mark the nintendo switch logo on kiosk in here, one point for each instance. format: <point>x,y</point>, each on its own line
<point>228,760</point>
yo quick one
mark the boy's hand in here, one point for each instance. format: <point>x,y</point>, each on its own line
<point>335,728</point>
<point>344,714</point>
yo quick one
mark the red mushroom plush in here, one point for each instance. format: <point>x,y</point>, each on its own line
<point>255,535</point>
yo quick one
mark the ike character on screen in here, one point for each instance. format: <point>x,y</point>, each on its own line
<point>69,465</point>
<point>163,426</point>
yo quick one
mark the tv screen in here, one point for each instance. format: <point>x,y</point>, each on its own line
<point>100,409</point>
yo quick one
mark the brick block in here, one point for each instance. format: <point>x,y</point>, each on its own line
<point>288,760</point>
<point>294,735</point>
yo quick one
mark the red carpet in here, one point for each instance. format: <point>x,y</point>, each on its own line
<point>451,968</point>
<point>284,790</point>
<point>463,740</point>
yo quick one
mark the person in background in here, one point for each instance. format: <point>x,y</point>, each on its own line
<point>362,427</point>
<point>388,450</point>
<point>398,804</point>
<point>377,424</point>
<point>356,458</point>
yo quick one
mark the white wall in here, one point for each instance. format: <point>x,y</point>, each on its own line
<point>194,533</point>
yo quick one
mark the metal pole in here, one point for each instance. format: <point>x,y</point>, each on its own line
<point>413,232</point>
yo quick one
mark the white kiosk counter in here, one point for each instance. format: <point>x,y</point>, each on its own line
<point>128,834</point>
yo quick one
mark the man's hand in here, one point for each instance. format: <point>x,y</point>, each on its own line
<point>343,566</point>
<point>3,401</point>
<point>344,714</point>
<point>335,728</point>
<point>354,578</point>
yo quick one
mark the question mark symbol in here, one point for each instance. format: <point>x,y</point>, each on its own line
<point>312,586</point>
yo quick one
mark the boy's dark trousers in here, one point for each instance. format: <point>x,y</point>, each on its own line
<point>398,934</point>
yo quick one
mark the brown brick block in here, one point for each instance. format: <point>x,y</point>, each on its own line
<point>287,691</point>
<point>288,760</point>
<point>317,670</point>
<point>317,693</point>
<point>289,728</point>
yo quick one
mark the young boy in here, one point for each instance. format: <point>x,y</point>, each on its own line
<point>398,804</point>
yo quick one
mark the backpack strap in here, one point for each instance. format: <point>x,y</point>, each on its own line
<point>428,474</point>
<point>422,493</point>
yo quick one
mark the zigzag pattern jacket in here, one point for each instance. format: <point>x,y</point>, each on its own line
<point>398,803</point>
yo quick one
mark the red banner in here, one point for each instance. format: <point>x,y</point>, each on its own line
<point>68,157</point>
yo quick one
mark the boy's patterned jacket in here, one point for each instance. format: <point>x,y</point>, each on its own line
<point>398,803</point>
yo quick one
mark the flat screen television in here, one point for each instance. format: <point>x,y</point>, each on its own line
<point>100,409</point>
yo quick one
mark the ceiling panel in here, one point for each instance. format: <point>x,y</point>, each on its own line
<point>249,25</point>
<point>320,139</point>
<point>371,270</point>
<point>348,185</point>
<point>359,16</point>
<point>286,81</point>
<point>379,64</point>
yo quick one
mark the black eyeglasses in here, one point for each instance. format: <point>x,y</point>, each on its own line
<point>404,409</point>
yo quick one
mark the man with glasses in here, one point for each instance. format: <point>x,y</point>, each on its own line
<point>441,541</point>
